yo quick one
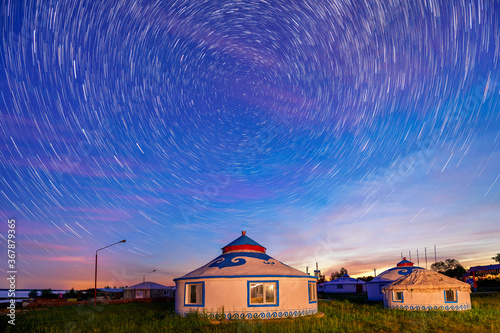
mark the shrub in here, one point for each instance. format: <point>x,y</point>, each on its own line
<point>71,294</point>
<point>33,294</point>
<point>47,293</point>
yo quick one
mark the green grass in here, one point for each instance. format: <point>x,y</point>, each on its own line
<point>342,314</point>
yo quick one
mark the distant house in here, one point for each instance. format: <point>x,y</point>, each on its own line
<point>148,290</point>
<point>344,284</point>
<point>427,290</point>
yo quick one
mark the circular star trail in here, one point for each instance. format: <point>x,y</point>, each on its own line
<point>332,126</point>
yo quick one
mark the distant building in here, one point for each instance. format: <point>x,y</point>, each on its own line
<point>244,282</point>
<point>374,287</point>
<point>148,290</point>
<point>427,290</point>
<point>471,273</point>
<point>344,284</point>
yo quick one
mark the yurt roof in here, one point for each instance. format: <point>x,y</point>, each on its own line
<point>242,262</point>
<point>243,242</point>
<point>403,268</point>
<point>345,279</point>
<point>148,285</point>
<point>427,281</point>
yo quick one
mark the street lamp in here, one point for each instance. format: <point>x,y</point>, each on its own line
<point>95,282</point>
<point>144,276</point>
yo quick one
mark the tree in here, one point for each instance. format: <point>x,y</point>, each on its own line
<point>33,293</point>
<point>443,266</point>
<point>366,278</point>
<point>449,267</point>
<point>47,293</point>
<point>438,266</point>
<point>496,258</point>
<point>71,294</point>
<point>456,272</point>
<point>338,274</point>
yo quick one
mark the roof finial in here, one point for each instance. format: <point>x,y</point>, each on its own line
<point>243,233</point>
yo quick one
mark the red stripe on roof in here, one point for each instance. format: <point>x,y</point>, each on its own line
<point>243,248</point>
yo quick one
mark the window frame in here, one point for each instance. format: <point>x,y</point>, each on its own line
<point>315,290</point>
<point>202,304</point>
<point>455,296</point>
<point>340,286</point>
<point>394,293</point>
<point>277,297</point>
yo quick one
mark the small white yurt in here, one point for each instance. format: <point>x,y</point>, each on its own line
<point>344,284</point>
<point>374,287</point>
<point>244,282</point>
<point>427,290</point>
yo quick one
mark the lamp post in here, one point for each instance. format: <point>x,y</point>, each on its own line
<point>95,282</point>
<point>144,276</point>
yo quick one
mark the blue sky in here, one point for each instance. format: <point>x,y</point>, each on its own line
<point>331,132</point>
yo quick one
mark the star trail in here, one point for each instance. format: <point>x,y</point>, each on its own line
<point>339,132</point>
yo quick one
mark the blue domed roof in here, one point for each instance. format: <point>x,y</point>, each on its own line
<point>395,273</point>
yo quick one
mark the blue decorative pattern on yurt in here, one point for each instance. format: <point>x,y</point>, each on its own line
<point>238,259</point>
<point>258,315</point>
<point>406,270</point>
<point>401,271</point>
<point>460,307</point>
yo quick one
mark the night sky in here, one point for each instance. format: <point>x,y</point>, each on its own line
<point>339,132</point>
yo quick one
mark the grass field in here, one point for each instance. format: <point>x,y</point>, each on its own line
<point>342,314</point>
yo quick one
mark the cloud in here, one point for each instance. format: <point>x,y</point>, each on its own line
<point>69,259</point>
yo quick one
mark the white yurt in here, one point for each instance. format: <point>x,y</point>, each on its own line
<point>427,290</point>
<point>374,287</point>
<point>344,284</point>
<point>244,282</point>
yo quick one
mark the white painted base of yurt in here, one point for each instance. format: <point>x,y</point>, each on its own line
<point>346,289</point>
<point>428,301</point>
<point>228,297</point>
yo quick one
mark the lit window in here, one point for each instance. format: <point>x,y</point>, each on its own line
<point>194,294</point>
<point>263,293</point>
<point>340,286</point>
<point>312,292</point>
<point>450,295</point>
<point>398,296</point>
